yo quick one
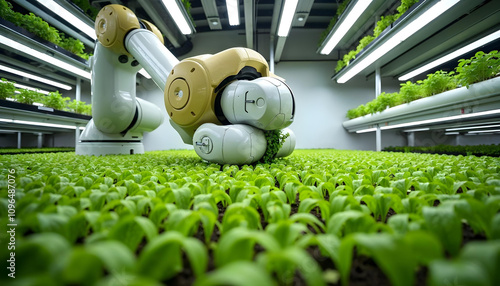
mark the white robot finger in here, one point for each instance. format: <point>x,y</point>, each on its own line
<point>229,144</point>
<point>266,103</point>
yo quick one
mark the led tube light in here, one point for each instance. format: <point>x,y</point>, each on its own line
<point>472,46</point>
<point>411,28</point>
<point>287,17</point>
<point>35,77</point>
<point>366,130</point>
<point>347,23</point>
<point>44,57</point>
<point>472,127</point>
<point>233,12</point>
<point>435,120</point>
<point>37,123</point>
<point>69,17</point>
<point>175,11</point>
<point>484,131</point>
<point>443,119</point>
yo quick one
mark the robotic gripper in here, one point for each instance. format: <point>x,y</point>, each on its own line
<point>221,104</point>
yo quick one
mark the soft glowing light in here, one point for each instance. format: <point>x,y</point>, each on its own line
<point>69,17</point>
<point>44,57</point>
<point>411,28</point>
<point>472,46</point>
<point>233,12</point>
<point>287,17</point>
<point>346,24</point>
<point>35,77</point>
<point>175,11</point>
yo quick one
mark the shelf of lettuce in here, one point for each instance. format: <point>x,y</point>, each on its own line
<point>359,27</point>
<point>455,109</point>
<point>65,16</point>
<point>23,118</point>
<point>402,47</point>
<point>30,49</point>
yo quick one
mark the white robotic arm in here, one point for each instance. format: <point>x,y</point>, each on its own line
<point>221,103</point>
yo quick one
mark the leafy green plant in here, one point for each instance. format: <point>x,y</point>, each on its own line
<point>275,140</point>
<point>27,96</point>
<point>166,216</point>
<point>7,89</point>
<point>54,100</point>
<point>438,82</point>
<point>42,29</point>
<point>480,67</point>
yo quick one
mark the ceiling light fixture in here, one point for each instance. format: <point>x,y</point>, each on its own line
<point>44,57</point>
<point>287,17</point>
<point>348,21</point>
<point>393,41</point>
<point>472,46</point>
<point>233,12</point>
<point>69,17</point>
<point>179,17</point>
<point>35,77</point>
<point>366,130</point>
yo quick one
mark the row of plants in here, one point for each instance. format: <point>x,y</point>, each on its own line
<point>12,151</point>
<point>465,150</point>
<point>316,217</point>
<point>380,26</point>
<point>340,9</point>
<point>480,67</point>
<point>42,29</point>
<point>52,99</point>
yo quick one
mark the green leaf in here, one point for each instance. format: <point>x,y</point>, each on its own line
<point>443,222</point>
<point>162,259</point>
<point>132,229</point>
<point>116,257</point>
<point>239,273</point>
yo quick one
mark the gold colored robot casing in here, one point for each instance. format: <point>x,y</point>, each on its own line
<point>113,23</point>
<point>190,89</point>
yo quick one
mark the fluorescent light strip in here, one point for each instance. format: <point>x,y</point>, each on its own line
<point>443,119</point>
<point>347,23</point>
<point>38,123</point>
<point>44,57</point>
<point>35,77</point>
<point>175,11</point>
<point>27,87</point>
<point>366,130</point>
<point>31,88</point>
<point>68,16</point>
<point>411,28</point>
<point>484,131</point>
<point>287,17</point>
<point>472,127</point>
<point>491,37</point>
<point>233,12</point>
<point>417,130</point>
<point>452,133</point>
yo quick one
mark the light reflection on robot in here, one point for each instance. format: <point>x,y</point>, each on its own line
<point>220,103</point>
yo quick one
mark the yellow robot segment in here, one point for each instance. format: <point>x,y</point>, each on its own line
<point>113,23</point>
<point>192,86</point>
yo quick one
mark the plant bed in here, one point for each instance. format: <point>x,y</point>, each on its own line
<point>475,150</point>
<point>317,217</point>
<point>15,151</point>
